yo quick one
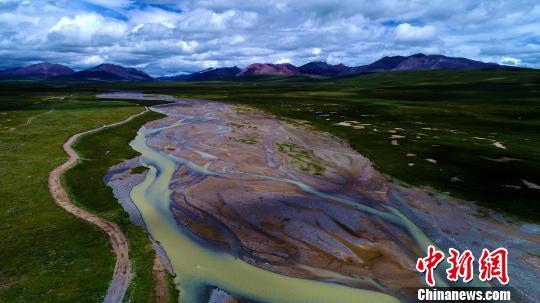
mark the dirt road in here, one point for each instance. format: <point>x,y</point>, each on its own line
<point>119,244</point>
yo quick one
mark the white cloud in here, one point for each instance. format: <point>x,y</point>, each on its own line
<point>93,60</point>
<point>188,46</point>
<point>156,16</point>
<point>283,60</point>
<point>410,33</point>
<point>86,29</point>
<point>510,61</point>
<point>152,31</point>
<point>237,39</point>
<point>203,33</point>
<point>207,20</point>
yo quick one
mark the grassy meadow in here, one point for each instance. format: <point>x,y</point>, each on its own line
<point>48,255</point>
<point>100,151</point>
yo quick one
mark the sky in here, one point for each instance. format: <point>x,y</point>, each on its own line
<point>165,37</point>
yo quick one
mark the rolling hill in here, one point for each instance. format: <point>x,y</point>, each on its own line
<point>37,71</point>
<point>109,72</point>
<point>414,62</point>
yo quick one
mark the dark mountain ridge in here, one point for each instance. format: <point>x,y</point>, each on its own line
<point>112,72</point>
<point>48,71</point>
<point>206,75</point>
<point>42,70</point>
<point>270,69</point>
<point>321,68</point>
<point>432,62</point>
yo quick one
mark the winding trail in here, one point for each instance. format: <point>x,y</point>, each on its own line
<point>161,288</point>
<point>119,243</point>
<point>29,121</point>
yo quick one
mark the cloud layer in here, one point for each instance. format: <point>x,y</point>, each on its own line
<point>169,37</point>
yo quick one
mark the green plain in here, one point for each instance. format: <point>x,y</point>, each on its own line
<point>47,254</point>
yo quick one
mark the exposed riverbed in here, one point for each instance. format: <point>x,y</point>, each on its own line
<point>273,211</point>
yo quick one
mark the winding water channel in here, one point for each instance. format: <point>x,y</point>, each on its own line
<point>199,267</point>
<point>195,164</point>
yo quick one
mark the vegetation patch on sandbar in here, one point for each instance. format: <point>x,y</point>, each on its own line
<point>301,158</point>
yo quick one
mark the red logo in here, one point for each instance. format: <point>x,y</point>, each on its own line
<point>460,265</point>
<point>490,265</point>
<point>429,263</point>
<point>494,265</point>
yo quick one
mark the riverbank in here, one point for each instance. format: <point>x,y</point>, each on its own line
<point>47,253</point>
<point>118,241</point>
<point>87,188</point>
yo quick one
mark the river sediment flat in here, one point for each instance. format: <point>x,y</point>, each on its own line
<point>245,202</point>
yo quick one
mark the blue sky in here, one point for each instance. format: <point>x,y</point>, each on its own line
<point>169,37</point>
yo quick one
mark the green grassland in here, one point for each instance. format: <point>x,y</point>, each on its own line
<point>48,255</point>
<point>99,152</point>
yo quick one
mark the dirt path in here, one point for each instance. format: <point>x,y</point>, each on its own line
<point>119,243</point>
<point>161,288</point>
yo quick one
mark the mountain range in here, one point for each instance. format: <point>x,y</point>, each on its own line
<point>40,70</point>
<point>207,74</point>
<point>386,64</point>
<point>396,63</point>
<point>48,71</point>
<point>112,72</point>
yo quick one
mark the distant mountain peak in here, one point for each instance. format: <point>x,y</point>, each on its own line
<point>441,62</point>
<point>322,68</point>
<point>114,72</point>
<point>209,74</point>
<point>42,70</point>
<point>111,72</point>
<point>270,69</point>
<point>417,61</point>
<point>106,65</point>
<point>206,70</point>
